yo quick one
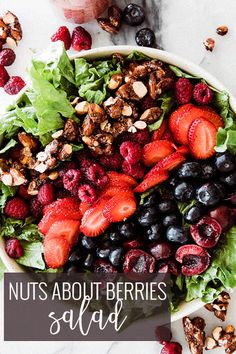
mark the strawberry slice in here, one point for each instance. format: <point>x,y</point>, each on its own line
<point>157,135</point>
<point>184,150</point>
<point>53,215</point>
<point>65,203</point>
<point>156,151</point>
<point>110,192</point>
<point>119,208</point>
<point>56,252</point>
<point>93,222</point>
<point>120,180</point>
<point>168,163</point>
<point>202,138</point>
<point>178,114</point>
<point>84,207</point>
<point>152,180</point>
<point>68,229</point>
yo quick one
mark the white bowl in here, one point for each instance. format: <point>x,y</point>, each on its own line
<point>185,308</point>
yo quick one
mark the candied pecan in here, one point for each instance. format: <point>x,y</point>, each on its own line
<point>222,338</point>
<point>26,158</point>
<point>118,57</point>
<point>65,152</point>
<point>151,114</point>
<point>71,130</point>
<point>88,126</point>
<point>194,333</point>
<point>52,147</point>
<point>113,107</point>
<point>27,140</point>
<point>133,91</point>
<point>158,86</point>
<point>96,113</point>
<point>100,143</point>
<point>140,72</point>
<point>115,16</point>
<point>106,25</point>
<point>152,85</point>
<point>82,107</point>
<point>118,127</point>
<point>219,306</point>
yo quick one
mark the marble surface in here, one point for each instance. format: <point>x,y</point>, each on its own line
<point>181,27</point>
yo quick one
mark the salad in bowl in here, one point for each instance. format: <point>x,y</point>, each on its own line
<point>122,161</point>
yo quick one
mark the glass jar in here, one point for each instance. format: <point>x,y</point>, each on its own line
<point>80,11</point>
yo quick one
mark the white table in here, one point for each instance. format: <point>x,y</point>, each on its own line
<point>181,26</point>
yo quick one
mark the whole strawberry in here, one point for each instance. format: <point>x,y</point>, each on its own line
<point>7,57</point>
<point>46,194</point>
<point>14,85</point>
<point>81,39</point>
<point>4,77</point>
<point>62,34</point>
<point>16,208</point>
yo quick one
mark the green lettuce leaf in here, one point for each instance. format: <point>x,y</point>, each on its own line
<point>2,269</point>
<point>11,143</point>
<point>180,73</point>
<point>167,101</point>
<point>32,256</point>
<point>136,56</point>
<point>92,79</point>
<point>5,192</point>
<point>20,229</point>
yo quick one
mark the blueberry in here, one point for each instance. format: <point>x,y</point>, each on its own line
<point>104,251</point>
<point>184,192</point>
<point>127,229</point>
<point>148,216</point>
<point>166,206</point>
<point>145,37</point>
<point>76,257</point>
<point>209,194</point>
<point>133,15</point>
<point>115,237</point>
<point>171,220</point>
<point>229,180</point>
<point>151,200</point>
<point>225,162</point>
<point>87,242</point>
<point>116,256</point>
<point>189,170</point>
<point>193,214</point>
<point>177,234</point>
<point>208,171</point>
<point>88,260</point>
<point>153,233</point>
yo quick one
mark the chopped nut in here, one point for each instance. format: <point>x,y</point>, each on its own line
<point>82,107</point>
<point>210,343</point>
<point>51,162</point>
<point>151,114</point>
<point>88,126</point>
<point>27,140</point>
<point>194,333</point>
<point>103,124</point>
<point>96,113</point>
<point>42,156</point>
<point>75,101</point>
<point>209,44</point>
<point>9,18</point>
<point>219,306</point>
<point>110,101</point>
<point>115,15</point>
<point>71,130</point>
<point>140,124</point>
<point>100,143</point>
<point>229,329</point>
<point>32,188</point>
<point>105,24</point>
<point>52,147</point>
<point>16,34</point>
<point>118,57</point>
<point>3,34</point>
<point>65,152</point>
<point>7,179</point>
<point>132,129</point>
<point>115,81</point>
<point>217,332</point>
<point>139,88</point>
<point>18,177</point>
<point>127,110</point>
<point>11,42</point>
<point>222,30</point>
<point>41,167</point>
<point>53,175</point>
<point>114,107</point>
<point>57,134</point>
<point>139,72</point>
<point>152,85</point>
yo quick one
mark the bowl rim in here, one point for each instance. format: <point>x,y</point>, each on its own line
<point>185,308</point>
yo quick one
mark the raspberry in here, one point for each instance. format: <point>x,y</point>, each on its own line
<point>7,57</point>
<point>97,175</point>
<point>148,102</point>
<point>87,194</point>
<point>36,208</point>
<point>63,193</point>
<point>14,248</point>
<point>66,166</point>
<point>112,162</point>
<point>142,137</point>
<point>136,171</point>
<point>4,77</point>
<point>81,39</point>
<point>16,208</point>
<point>46,194</point>
<point>71,180</point>
<point>62,34</point>
<point>14,85</point>
<point>131,151</point>
<point>202,94</point>
<point>183,90</point>
<point>172,348</point>
<point>23,192</point>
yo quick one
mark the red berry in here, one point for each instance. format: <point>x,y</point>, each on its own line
<point>46,194</point>
<point>119,207</point>
<point>81,39</point>
<point>67,229</point>
<point>87,194</point>
<point>136,171</point>
<point>156,151</point>
<point>206,232</point>
<point>121,180</point>
<point>71,180</point>
<point>66,166</point>
<point>36,208</point>
<point>148,102</point>
<point>202,94</point>
<point>23,192</point>
<point>131,151</point>
<point>7,57</point>
<point>14,248</point>
<point>4,77</point>
<point>97,175</point>
<point>56,251</point>
<point>14,85</point>
<point>112,162</point>
<point>16,208</point>
<point>172,348</point>
<point>141,136</point>
<point>152,181</point>
<point>194,259</point>
<point>183,90</point>
<point>138,261</point>
<point>62,34</point>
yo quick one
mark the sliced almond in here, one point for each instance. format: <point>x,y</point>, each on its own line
<point>132,129</point>
<point>82,107</point>
<point>217,332</point>
<point>210,343</point>
<point>127,110</point>
<point>11,42</point>
<point>41,167</point>
<point>57,134</point>
<point>42,156</point>
<point>7,179</point>
<point>139,88</point>
<point>115,81</point>
<point>9,18</point>
<point>140,124</point>
<point>18,178</point>
<point>110,101</point>
<point>3,34</point>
